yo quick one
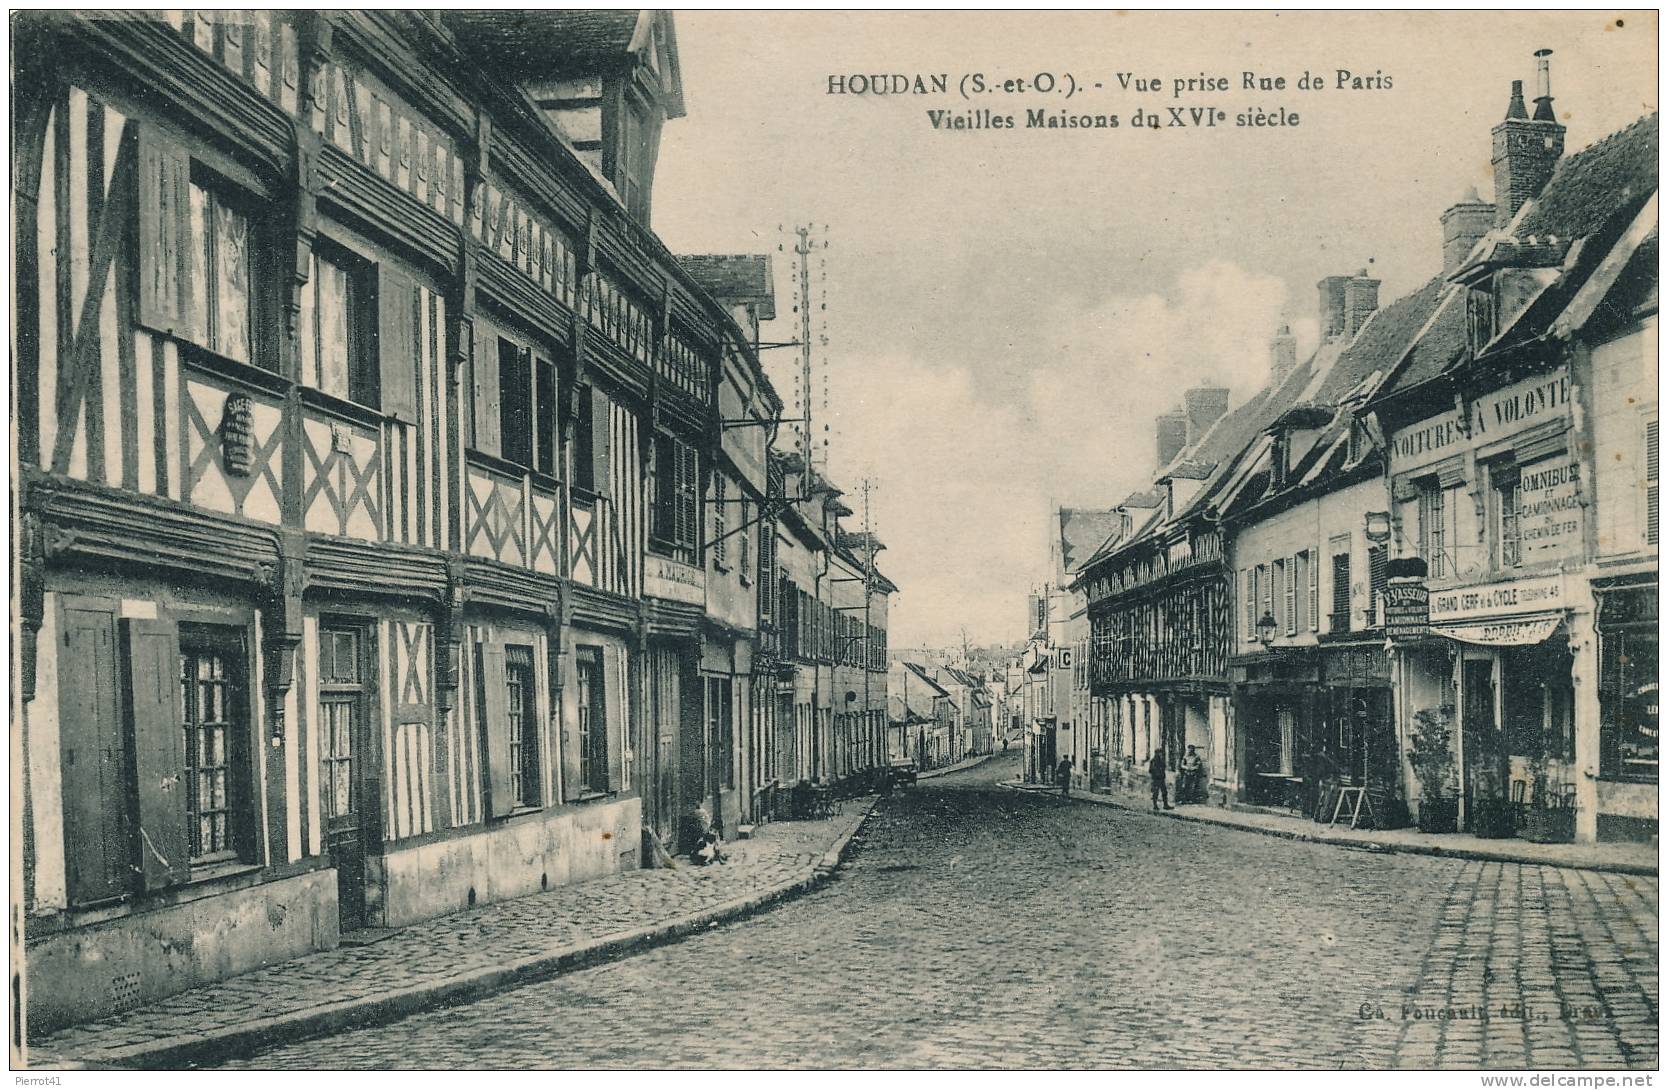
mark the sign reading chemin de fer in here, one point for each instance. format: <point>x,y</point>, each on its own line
<point>1500,413</point>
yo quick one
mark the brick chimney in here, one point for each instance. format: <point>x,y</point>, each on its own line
<point>1282,352</point>
<point>1172,435</point>
<point>1360,300</point>
<point>1463,226</point>
<point>1525,149</point>
<point>1203,405</point>
<point>1332,305</point>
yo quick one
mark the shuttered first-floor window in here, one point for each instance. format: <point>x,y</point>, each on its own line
<point>593,721</point>
<point>1652,489</point>
<point>521,721</point>
<point>216,728</point>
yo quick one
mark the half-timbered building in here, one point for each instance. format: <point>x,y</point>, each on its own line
<point>357,405</point>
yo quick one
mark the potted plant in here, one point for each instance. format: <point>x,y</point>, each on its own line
<point>1432,758</point>
<point>1490,811</point>
<point>1545,820</point>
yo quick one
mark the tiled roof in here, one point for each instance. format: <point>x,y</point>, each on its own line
<point>1383,341</point>
<point>548,42</point>
<point>1082,531</point>
<point>1190,469</point>
<point>735,278</point>
<point>1586,189</point>
<point>921,672</point>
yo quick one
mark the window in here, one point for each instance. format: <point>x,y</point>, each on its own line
<point>1340,592</point>
<point>214,720</point>
<point>719,528</point>
<point>1300,590</point>
<point>1480,312</point>
<point>515,401</point>
<point>1629,744</point>
<point>222,318</point>
<point>1433,530</point>
<point>1507,541</point>
<point>335,329</point>
<point>1251,603</point>
<point>1652,502</point>
<point>514,412</point>
<point>341,698</point>
<point>593,722</point>
<point>1280,588</point>
<point>521,722</point>
<point>636,162</point>
<point>1264,578</point>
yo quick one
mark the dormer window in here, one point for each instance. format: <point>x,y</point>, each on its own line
<point>1480,315</point>
<point>635,174</point>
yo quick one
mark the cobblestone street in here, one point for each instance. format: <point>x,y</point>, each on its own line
<point>979,927</point>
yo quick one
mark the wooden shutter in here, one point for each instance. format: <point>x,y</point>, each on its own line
<point>484,379</point>
<point>614,715</point>
<point>571,787</point>
<point>688,498</point>
<point>665,489</point>
<point>93,757</point>
<point>1653,501</point>
<point>165,285</point>
<point>495,729</point>
<point>601,432</point>
<point>1314,591</point>
<point>397,344</point>
<point>153,655</point>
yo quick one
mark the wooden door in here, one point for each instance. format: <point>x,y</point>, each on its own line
<point>1483,776</point>
<point>345,793</point>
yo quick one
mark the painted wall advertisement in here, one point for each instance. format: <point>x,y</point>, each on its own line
<point>1548,511</point>
<point>675,582</point>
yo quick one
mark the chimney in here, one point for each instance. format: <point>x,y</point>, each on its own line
<point>1332,305</point>
<point>1463,226</point>
<point>1525,149</point>
<point>1172,436</point>
<point>1360,300</point>
<point>1282,351</point>
<point>1203,405</point>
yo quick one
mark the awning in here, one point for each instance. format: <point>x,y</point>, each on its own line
<point>1516,632</point>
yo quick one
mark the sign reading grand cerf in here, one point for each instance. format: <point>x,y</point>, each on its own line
<point>1485,600</point>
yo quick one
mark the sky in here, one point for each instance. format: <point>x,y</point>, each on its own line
<point>1007,311</point>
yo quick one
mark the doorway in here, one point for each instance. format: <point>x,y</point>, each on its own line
<point>344,711</point>
<point>1485,757</point>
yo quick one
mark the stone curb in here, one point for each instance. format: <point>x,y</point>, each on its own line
<point>187,1050</point>
<point>1481,855</point>
<point>954,768</point>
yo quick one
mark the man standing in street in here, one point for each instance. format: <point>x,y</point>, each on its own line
<point>1063,774</point>
<point>1156,770</point>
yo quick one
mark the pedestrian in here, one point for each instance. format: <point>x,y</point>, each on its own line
<point>1062,775</point>
<point>1190,787</point>
<point>1156,770</point>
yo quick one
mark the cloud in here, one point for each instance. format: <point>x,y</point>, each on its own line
<point>968,469</point>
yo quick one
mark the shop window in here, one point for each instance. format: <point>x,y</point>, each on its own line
<point>335,328</point>
<point>593,721</point>
<point>1628,704</point>
<point>1340,592</point>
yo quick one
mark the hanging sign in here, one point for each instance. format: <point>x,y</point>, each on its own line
<point>1407,609</point>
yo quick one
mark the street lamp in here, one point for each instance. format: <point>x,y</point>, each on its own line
<point>1266,627</point>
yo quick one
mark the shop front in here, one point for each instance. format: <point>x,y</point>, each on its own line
<point>1505,681</point>
<point>1276,704</point>
<point>1629,742</point>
